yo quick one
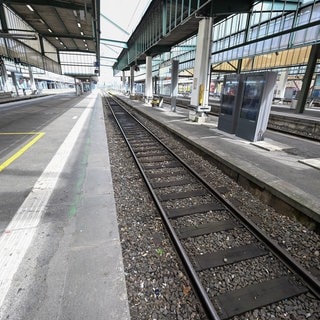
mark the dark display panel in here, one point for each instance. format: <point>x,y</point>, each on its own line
<point>229,109</point>
<point>229,95</point>
<point>253,89</point>
<point>255,105</point>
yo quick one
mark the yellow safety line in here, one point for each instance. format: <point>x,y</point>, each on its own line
<point>38,136</point>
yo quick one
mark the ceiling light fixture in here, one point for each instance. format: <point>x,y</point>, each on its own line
<point>29,7</point>
<point>82,14</point>
<point>79,25</point>
<point>49,30</point>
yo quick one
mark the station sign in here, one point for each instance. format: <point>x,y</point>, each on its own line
<point>203,108</point>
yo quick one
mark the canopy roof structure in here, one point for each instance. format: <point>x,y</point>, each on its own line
<point>68,25</point>
<point>167,23</point>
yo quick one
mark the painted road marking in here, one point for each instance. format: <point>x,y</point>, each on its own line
<point>16,239</point>
<point>270,146</point>
<point>315,163</point>
<point>21,151</point>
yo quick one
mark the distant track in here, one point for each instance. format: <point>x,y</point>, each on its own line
<point>298,130</point>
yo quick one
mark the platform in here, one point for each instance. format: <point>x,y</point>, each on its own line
<point>284,170</point>
<point>60,256</point>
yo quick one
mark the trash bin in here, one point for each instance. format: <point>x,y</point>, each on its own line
<point>293,103</point>
<point>294,100</point>
<point>157,101</point>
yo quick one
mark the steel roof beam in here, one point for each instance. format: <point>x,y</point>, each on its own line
<point>109,58</point>
<point>115,43</point>
<point>52,3</point>
<point>67,36</point>
<point>113,23</point>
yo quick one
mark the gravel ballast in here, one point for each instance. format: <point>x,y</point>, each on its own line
<point>157,285</point>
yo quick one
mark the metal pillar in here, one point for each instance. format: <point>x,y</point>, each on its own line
<point>132,89</point>
<point>81,87</point>
<point>32,82</point>
<point>282,84</point>
<point>124,88</point>
<point>4,76</point>
<point>77,87</point>
<point>239,66</point>
<point>4,27</point>
<point>148,82</point>
<point>174,83</point>
<point>314,55</point>
<point>155,85</point>
<point>15,83</point>
<point>201,77</point>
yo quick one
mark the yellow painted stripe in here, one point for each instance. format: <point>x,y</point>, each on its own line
<point>18,133</point>
<point>38,136</point>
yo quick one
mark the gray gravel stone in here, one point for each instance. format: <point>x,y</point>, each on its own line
<point>157,285</point>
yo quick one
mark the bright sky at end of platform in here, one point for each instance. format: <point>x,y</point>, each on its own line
<point>124,13</point>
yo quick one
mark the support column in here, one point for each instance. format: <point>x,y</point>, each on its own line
<point>239,66</point>
<point>155,84</point>
<point>148,92</point>
<point>4,76</point>
<point>132,89</point>
<point>77,87</point>
<point>174,83</point>
<point>201,77</point>
<point>15,82</point>
<point>282,85</point>
<point>32,82</point>
<point>124,88</point>
<point>314,55</point>
<point>4,27</point>
<point>81,87</point>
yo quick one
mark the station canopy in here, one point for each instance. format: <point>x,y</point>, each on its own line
<point>72,27</point>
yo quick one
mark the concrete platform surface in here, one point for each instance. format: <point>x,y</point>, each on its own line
<point>60,256</point>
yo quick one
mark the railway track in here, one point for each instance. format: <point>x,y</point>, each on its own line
<point>174,187</point>
<point>275,123</point>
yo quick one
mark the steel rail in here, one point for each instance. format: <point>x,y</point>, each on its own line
<point>196,283</point>
<point>311,282</point>
<point>308,279</point>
